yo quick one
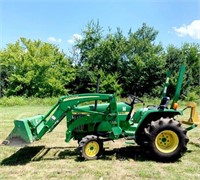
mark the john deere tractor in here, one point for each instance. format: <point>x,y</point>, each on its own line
<point>154,128</point>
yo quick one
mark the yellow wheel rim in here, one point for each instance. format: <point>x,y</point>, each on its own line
<point>166,141</point>
<point>92,148</point>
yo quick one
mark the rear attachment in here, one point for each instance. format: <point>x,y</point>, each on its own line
<point>25,131</point>
<point>194,119</point>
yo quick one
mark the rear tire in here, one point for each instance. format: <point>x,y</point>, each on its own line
<point>91,147</point>
<point>166,139</point>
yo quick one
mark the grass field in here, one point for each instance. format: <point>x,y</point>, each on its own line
<point>52,158</point>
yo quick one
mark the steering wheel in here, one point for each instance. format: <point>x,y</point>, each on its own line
<point>135,99</point>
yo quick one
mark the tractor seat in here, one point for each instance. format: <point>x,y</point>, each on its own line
<point>163,104</point>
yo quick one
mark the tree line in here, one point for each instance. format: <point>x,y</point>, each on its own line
<point>127,64</point>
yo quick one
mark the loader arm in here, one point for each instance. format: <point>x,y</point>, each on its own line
<point>66,104</point>
<point>34,128</point>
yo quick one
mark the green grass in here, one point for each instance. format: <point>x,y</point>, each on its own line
<point>21,101</point>
<point>52,158</point>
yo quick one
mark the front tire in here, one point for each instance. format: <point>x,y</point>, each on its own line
<point>91,147</point>
<point>167,140</point>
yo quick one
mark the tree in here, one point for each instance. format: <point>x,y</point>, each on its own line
<point>100,55</point>
<point>145,69</point>
<point>187,54</point>
<point>91,38</point>
<point>136,59</point>
<point>108,83</point>
<point>35,68</point>
<point>128,64</point>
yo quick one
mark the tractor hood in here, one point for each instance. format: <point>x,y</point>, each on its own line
<point>121,107</point>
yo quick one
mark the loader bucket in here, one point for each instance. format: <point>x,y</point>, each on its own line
<point>25,131</point>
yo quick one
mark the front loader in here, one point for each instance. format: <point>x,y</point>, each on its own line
<point>154,128</point>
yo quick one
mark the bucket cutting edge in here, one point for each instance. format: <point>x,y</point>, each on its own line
<point>24,131</point>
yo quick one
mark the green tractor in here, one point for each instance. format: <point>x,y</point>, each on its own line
<point>154,128</point>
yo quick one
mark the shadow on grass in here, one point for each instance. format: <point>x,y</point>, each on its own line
<point>22,156</point>
<point>125,153</point>
<point>196,144</point>
<point>42,153</point>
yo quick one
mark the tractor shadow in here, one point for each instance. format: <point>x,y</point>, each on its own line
<point>38,153</point>
<point>135,153</point>
<point>22,156</point>
<point>41,153</point>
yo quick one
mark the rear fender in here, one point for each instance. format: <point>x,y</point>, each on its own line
<point>153,115</point>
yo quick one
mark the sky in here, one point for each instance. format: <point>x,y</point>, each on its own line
<point>62,21</point>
